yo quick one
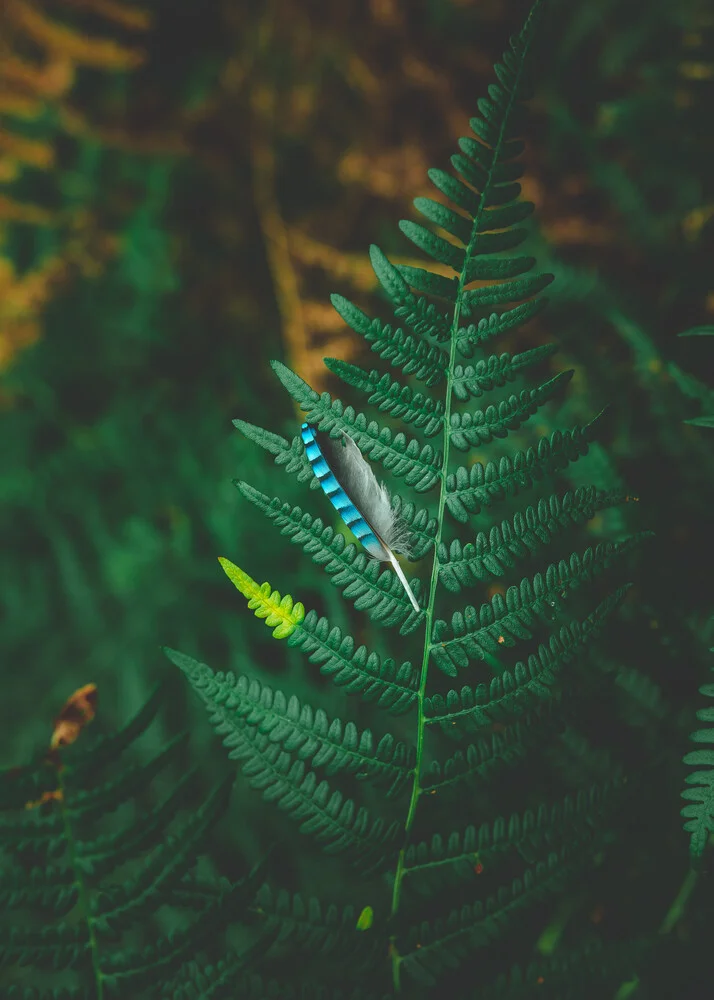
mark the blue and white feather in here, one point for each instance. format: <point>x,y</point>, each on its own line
<point>364,505</point>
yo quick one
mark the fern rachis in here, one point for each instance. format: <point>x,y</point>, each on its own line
<point>292,752</point>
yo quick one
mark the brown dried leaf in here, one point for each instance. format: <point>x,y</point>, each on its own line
<point>76,713</point>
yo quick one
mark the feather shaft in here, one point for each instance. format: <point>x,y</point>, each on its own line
<point>405,583</point>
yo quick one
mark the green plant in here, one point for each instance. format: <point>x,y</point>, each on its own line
<point>690,385</point>
<point>98,884</point>
<point>451,886</point>
<point>700,793</point>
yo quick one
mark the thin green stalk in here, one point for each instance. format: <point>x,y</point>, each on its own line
<point>672,917</point>
<point>676,911</point>
<point>421,722</point>
<point>82,890</point>
<point>428,632</point>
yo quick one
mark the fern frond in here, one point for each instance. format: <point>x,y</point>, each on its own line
<point>422,526</point>
<point>465,854</point>
<point>116,906</point>
<point>300,730</point>
<point>337,823</point>
<point>284,743</point>
<point>392,396</point>
<point>108,747</point>
<point>501,294</point>
<point>131,970</point>
<point>359,671</point>
<point>418,314</point>
<point>102,855</point>
<point>313,928</point>
<point>56,993</point>
<point>411,354</point>
<point>34,833</point>
<point>506,619</point>
<point>492,554</point>
<point>49,889</point>
<point>419,465</point>
<point>106,796</point>
<point>514,692</point>
<point>62,945</point>
<point>478,762</point>
<point>472,381</point>
<point>700,815</point>
<point>66,915</point>
<point>475,335</point>
<point>468,490</point>
<point>361,579</point>
<point>211,981</point>
<point>468,430</point>
<point>569,975</point>
<point>444,943</point>
<point>281,614</point>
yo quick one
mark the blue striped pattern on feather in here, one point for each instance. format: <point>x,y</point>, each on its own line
<point>349,483</point>
<point>337,496</point>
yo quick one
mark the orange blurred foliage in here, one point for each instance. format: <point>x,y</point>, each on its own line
<point>27,88</point>
<point>76,713</point>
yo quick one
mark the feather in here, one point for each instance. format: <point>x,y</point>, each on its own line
<point>365,506</point>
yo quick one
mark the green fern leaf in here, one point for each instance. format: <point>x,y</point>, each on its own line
<point>132,970</point>
<point>308,925</point>
<point>410,353</point>
<point>281,614</point>
<point>700,814</point>
<point>335,822</point>
<point>468,490</point>
<point>306,733</point>
<point>69,911</point>
<point>117,906</point>
<point>102,855</point>
<point>568,973</point>
<point>422,526</point>
<point>473,429</point>
<point>392,396</point>
<point>359,671</point>
<point>420,466</point>
<point>445,942</point>
<point>283,742</point>
<point>494,371</point>
<point>513,692</point>
<point>506,619</point>
<point>106,796</point>
<point>477,763</point>
<point>502,294</point>
<point>475,335</point>
<point>465,854</point>
<point>418,314</point>
<point>492,554</point>
<point>361,579</point>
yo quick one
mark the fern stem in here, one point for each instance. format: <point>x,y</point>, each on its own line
<point>82,890</point>
<point>448,398</point>
<point>676,911</point>
<point>421,718</point>
<point>672,917</point>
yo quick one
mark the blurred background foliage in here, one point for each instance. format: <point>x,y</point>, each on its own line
<point>183,185</point>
